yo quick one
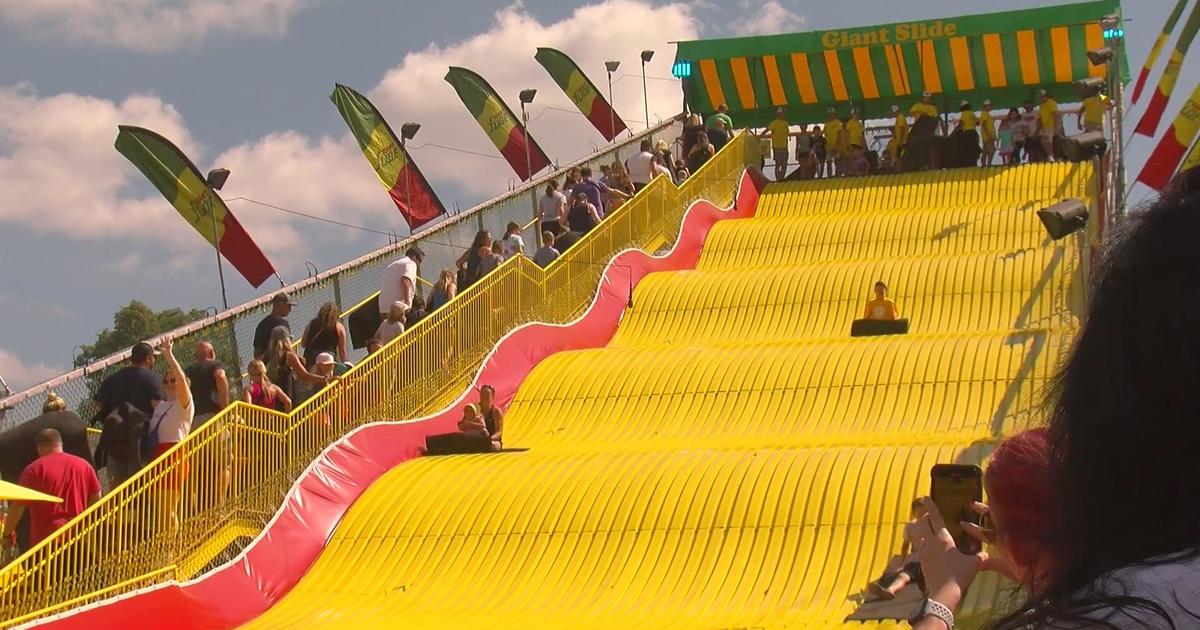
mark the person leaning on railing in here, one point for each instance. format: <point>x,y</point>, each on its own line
<point>18,447</point>
<point>470,261</point>
<point>284,366</point>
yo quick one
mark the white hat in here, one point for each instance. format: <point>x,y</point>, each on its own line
<point>1042,91</point>
<point>895,108</point>
<point>324,359</point>
<point>987,101</point>
<point>926,94</point>
<point>963,103</point>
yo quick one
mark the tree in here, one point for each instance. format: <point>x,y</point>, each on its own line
<point>132,323</point>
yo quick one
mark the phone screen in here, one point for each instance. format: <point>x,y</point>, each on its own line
<point>953,489</point>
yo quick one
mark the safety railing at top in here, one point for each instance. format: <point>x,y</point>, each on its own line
<point>232,332</point>
<point>198,505</point>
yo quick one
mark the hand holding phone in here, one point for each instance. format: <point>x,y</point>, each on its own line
<point>953,488</point>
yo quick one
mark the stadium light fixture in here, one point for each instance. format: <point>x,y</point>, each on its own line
<point>408,131</point>
<point>1064,218</point>
<point>611,67</point>
<point>1100,56</point>
<point>1091,86</point>
<point>647,55</point>
<point>217,178</point>
<point>1084,146</point>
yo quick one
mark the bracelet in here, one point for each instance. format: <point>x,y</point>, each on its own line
<point>934,608</point>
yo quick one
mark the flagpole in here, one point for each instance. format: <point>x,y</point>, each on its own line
<point>217,245</point>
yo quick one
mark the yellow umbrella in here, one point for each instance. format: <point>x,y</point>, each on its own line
<point>13,492</point>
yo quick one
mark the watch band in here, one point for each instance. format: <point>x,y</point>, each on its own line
<point>934,608</point>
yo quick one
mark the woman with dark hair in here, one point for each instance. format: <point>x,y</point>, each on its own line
<point>468,263</point>
<point>324,334</point>
<point>493,418</point>
<point>1123,430</point>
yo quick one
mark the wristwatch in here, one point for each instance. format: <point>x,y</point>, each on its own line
<point>934,608</point>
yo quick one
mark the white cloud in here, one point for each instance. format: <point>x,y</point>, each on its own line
<point>60,172</point>
<point>768,18</point>
<point>150,25</point>
<point>613,30</point>
<point>61,175</point>
<point>20,375</point>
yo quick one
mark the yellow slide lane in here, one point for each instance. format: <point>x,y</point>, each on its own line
<point>733,459</point>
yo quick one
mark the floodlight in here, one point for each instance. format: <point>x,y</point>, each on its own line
<point>1085,146</point>
<point>612,66</point>
<point>1100,56</point>
<point>1064,218</point>
<point>216,178</point>
<point>1091,86</point>
<point>647,55</point>
<point>526,96</point>
<point>409,130</point>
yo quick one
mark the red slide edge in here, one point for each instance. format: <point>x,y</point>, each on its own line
<point>279,557</point>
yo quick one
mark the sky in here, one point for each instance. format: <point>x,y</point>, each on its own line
<point>244,84</point>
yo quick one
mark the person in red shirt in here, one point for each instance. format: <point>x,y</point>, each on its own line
<point>56,473</point>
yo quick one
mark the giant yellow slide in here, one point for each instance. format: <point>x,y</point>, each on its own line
<point>733,459</point>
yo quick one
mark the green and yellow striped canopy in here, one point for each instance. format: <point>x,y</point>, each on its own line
<point>1002,56</point>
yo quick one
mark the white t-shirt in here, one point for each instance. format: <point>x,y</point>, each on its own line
<point>389,286</point>
<point>389,330</point>
<point>513,245</point>
<point>548,206</point>
<point>641,168</point>
<point>1174,586</point>
<point>172,421</point>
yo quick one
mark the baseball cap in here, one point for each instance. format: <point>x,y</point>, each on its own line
<point>780,110</point>
<point>926,94</point>
<point>895,108</point>
<point>1042,92</point>
<point>324,359</point>
<point>987,101</point>
<point>142,351</point>
<point>282,298</point>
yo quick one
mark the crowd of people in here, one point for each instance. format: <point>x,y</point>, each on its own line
<point>1033,133</point>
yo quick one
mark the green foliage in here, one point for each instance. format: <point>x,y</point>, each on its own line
<point>132,323</point>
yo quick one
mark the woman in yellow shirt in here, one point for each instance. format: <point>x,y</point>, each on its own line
<point>899,134</point>
<point>987,132</point>
<point>835,141</point>
<point>1091,113</point>
<point>881,308</point>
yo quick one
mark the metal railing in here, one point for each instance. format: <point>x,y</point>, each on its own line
<point>198,505</point>
<point>232,332</point>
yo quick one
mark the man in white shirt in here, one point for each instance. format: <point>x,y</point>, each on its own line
<point>399,282</point>
<point>641,166</point>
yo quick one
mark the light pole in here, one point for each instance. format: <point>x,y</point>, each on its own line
<point>647,55</point>
<point>526,97</point>
<point>216,180</point>
<point>407,131</point>
<point>611,66</point>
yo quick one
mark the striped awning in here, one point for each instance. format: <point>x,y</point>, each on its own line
<point>1002,56</point>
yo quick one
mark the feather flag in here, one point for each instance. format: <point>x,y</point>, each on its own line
<point>1148,125</point>
<point>498,122</point>
<point>405,183</point>
<point>1161,164</point>
<point>174,175</point>
<point>581,91</point>
<point>1156,49</point>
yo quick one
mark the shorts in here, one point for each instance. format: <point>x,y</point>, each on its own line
<point>780,155</point>
<point>553,227</point>
<point>803,155</point>
<point>1046,134</point>
<point>913,569</point>
<point>989,146</point>
<point>1087,126</point>
<point>176,467</point>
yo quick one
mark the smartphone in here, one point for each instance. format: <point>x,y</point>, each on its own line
<point>953,487</point>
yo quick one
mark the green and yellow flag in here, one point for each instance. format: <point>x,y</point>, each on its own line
<point>1157,106</point>
<point>1156,50</point>
<point>498,122</point>
<point>581,91</point>
<point>174,175</point>
<point>405,183</point>
<point>1165,158</point>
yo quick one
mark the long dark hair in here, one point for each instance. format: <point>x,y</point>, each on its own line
<point>1125,421</point>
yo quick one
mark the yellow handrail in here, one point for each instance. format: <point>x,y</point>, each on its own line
<point>238,467</point>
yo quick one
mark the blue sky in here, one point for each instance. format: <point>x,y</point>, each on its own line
<point>244,84</point>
